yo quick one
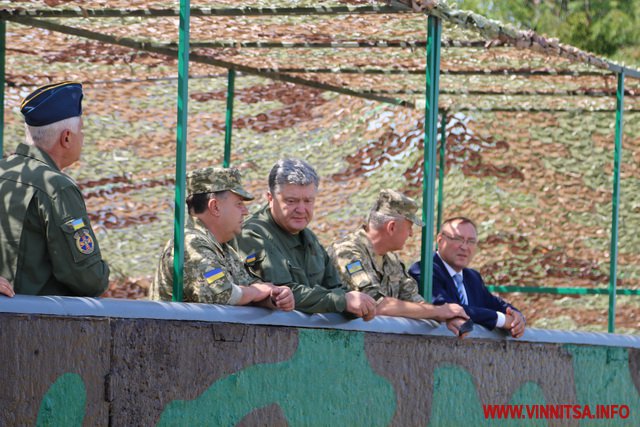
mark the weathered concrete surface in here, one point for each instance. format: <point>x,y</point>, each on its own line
<point>466,372</point>
<point>36,351</point>
<point>634,367</point>
<point>75,369</point>
<point>157,362</point>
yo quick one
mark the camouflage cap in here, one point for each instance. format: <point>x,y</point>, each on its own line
<point>211,180</point>
<point>394,203</point>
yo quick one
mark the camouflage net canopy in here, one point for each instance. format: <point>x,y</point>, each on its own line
<point>529,129</point>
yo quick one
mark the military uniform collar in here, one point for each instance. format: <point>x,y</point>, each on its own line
<point>361,236</point>
<point>36,153</point>
<point>291,240</point>
<point>196,224</point>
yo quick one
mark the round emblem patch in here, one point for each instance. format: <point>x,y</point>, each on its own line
<point>84,242</point>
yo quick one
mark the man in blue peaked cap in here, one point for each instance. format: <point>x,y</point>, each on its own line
<point>47,245</point>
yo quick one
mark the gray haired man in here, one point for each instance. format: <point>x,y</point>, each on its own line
<point>47,244</point>
<point>279,247</point>
<point>367,263</point>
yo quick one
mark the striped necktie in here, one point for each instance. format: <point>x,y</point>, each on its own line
<point>460,287</point>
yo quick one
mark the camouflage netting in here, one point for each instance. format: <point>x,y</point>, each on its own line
<point>538,184</point>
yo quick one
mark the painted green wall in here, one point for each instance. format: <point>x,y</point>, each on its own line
<point>177,373</point>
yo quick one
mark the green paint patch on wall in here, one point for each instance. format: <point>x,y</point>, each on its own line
<point>64,403</point>
<point>602,377</point>
<point>327,382</point>
<point>456,402</point>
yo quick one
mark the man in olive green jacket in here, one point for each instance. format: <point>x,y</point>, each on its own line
<point>279,248</point>
<point>47,245</point>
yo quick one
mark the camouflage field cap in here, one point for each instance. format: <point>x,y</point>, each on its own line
<point>211,180</point>
<point>393,203</point>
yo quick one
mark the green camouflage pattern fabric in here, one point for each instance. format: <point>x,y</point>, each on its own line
<point>354,259</point>
<point>296,260</point>
<point>213,272</point>
<point>394,203</point>
<point>211,180</point>
<point>47,245</point>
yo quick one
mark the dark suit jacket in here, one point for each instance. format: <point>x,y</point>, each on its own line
<point>482,305</point>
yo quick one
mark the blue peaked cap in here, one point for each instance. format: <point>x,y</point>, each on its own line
<point>52,103</point>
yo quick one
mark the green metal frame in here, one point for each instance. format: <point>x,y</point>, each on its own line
<point>434,32</point>
<point>561,290</point>
<point>433,46</point>
<point>615,203</point>
<point>181,152</point>
<point>231,82</point>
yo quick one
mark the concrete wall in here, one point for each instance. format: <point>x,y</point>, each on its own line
<point>82,361</point>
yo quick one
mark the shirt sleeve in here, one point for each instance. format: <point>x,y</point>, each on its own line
<point>501,319</point>
<point>206,276</point>
<point>355,269</point>
<point>72,244</point>
<point>272,265</point>
<point>409,288</point>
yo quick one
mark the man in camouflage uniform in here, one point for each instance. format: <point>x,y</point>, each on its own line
<point>366,262</point>
<point>213,272</point>
<point>280,247</point>
<point>47,245</point>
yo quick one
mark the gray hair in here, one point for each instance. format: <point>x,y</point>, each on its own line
<point>377,220</point>
<point>292,171</point>
<point>45,136</point>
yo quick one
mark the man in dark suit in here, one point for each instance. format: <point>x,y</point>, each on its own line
<point>453,282</point>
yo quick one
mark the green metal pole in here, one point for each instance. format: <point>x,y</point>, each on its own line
<point>181,151</point>
<point>561,291</point>
<point>231,81</point>
<point>3,31</point>
<point>617,156</point>
<point>442,165</point>
<point>434,32</point>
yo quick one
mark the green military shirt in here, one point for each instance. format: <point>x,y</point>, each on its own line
<point>47,245</point>
<point>213,272</point>
<point>355,260</point>
<point>296,260</point>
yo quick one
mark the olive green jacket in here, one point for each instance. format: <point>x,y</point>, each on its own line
<point>295,260</point>
<point>47,245</point>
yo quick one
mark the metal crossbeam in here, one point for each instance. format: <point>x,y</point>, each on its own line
<point>20,14</point>
<point>420,71</point>
<point>335,44</point>
<point>273,74</point>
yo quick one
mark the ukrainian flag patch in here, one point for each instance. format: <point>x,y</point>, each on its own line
<point>77,224</point>
<point>213,275</point>
<point>354,267</point>
<point>250,258</point>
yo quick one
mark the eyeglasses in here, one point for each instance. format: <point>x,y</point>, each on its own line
<point>460,240</point>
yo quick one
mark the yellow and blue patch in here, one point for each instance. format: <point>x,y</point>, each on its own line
<point>250,259</point>
<point>354,267</point>
<point>77,224</point>
<point>214,275</point>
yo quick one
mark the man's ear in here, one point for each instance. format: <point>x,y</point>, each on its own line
<point>391,226</point>
<point>269,197</point>
<point>64,138</point>
<point>213,207</point>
